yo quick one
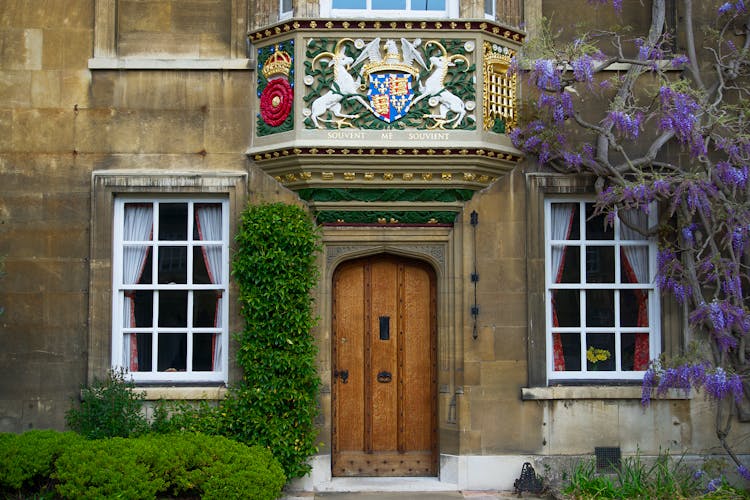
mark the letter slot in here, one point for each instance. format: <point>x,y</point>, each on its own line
<point>385,327</point>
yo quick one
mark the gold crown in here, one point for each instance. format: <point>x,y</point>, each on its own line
<point>278,63</point>
<point>497,55</point>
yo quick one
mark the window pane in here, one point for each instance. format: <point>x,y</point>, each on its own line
<point>564,221</point>
<point>200,273</point>
<point>634,308</point>
<point>144,348</point>
<point>207,225</point>
<point>136,264</point>
<point>203,351</point>
<point>286,5</point>
<point>173,308</point>
<point>489,7</point>
<point>630,222</point>
<point>600,350</point>
<point>566,308</point>
<point>570,259</point>
<point>349,4</point>
<point>138,222</point>
<point>173,221</point>
<point>595,226</point>
<point>634,264</point>
<point>205,308</point>
<point>173,265</point>
<point>635,351</point>
<point>600,308</point>
<point>571,347</point>
<point>600,264</point>
<point>428,4</point>
<point>172,352</point>
<point>389,4</point>
<point>139,309</point>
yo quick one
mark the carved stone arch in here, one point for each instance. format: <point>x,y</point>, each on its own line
<point>434,255</point>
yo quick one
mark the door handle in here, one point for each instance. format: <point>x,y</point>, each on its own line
<point>384,377</point>
<point>344,374</point>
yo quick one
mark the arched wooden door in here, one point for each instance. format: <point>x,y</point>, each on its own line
<point>384,383</point>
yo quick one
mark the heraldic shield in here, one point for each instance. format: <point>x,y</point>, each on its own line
<point>390,95</point>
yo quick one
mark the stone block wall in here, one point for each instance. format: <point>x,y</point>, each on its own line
<point>60,122</point>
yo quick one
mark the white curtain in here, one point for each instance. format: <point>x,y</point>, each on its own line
<point>561,224</point>
<point>637,255</point>
<point>138,225</point>
<point>208,221</point>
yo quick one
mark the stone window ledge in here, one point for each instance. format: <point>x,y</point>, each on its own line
<point>183,393</point>
<point>594,392</point>
<point>170,63</point>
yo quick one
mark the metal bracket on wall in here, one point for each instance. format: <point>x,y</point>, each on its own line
<point>474,220</point>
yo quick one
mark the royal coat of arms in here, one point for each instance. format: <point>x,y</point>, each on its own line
<point>388,81</point>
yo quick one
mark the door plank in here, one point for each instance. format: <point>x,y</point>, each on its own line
<point>417,360</point>
<point>348,321</point>
<point>383,357</point>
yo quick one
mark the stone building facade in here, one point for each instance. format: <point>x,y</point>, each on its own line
<point>132,134</point>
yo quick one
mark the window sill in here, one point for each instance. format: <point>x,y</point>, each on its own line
<point>594,392</point>
<point>169,63</point>
<point>183,393</point>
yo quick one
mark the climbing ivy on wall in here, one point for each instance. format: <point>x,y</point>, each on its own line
<point>274,405</point>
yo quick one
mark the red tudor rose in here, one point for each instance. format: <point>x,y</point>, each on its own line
<point>276,101</point>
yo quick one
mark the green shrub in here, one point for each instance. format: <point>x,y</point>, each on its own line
<point>665,477</point>
<point>107,468</point>
<point>27,460</point>
<point>275,403</point>
<point>176,465</point>
<point>109,408</point>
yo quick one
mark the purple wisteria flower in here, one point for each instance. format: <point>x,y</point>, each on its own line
<point>617,4</point>
<point>545,74</point>
<point>687,234</point>
<point>742,471</point>
<point>728,7</point>
<point>669,275</point>
<point>713,485</point>
<point>731,175</point>
<point>720,385</point>
<point>628,125</point>
<point>680,114</point>
<point>679,60</point>
<point>583,68</point>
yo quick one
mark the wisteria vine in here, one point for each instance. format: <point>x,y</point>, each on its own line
<point>672,132</point>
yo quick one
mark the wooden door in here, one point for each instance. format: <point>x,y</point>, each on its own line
<point>384,383</point>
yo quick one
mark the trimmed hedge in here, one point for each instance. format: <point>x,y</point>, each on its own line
<point>146,467</point>
<point>27,460</point>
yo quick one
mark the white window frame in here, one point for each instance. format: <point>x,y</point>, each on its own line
<point>118,290</point>
<point>492,13</point>
<point>286,14</point>
<point>654,313</point>
<point>450,11</point>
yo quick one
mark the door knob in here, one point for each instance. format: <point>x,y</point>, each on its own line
<point>344,374</point>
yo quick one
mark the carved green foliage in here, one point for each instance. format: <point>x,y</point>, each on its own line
<point>264,53</point>
<point>459,80</point>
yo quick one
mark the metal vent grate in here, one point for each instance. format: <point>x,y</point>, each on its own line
<point>608,459</point>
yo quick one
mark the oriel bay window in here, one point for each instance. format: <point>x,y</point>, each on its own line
<point>170,277</point>
<point>602,306</point>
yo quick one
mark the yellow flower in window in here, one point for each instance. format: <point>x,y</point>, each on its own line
<point>595,355</point>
